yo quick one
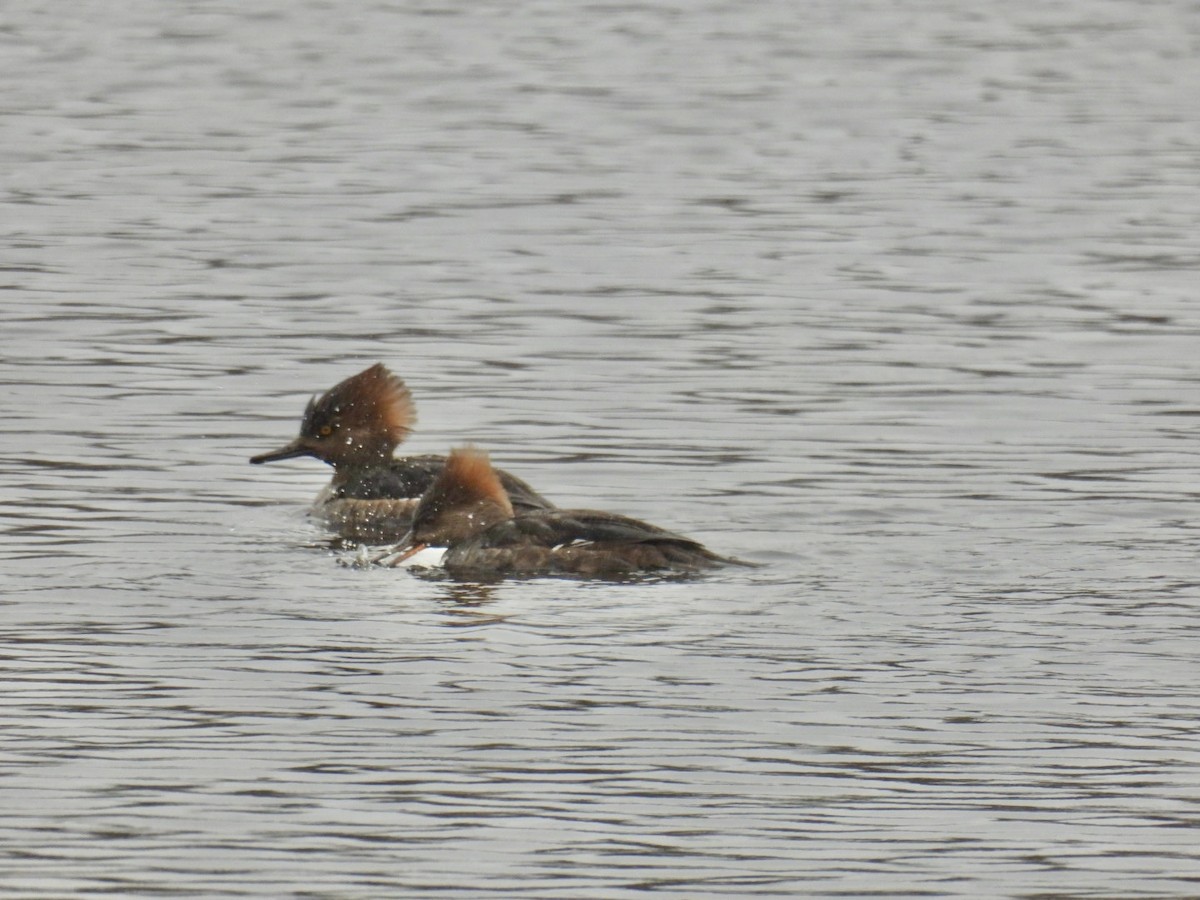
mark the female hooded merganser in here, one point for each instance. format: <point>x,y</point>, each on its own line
<point>468,511</point>
<point>356,426</point>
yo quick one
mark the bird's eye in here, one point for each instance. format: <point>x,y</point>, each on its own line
<point>326,430</point>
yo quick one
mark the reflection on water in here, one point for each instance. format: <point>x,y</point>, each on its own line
<point>897,300</point>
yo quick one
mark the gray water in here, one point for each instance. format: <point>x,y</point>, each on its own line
<point>897,299</point>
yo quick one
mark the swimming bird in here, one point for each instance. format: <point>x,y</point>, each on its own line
<point>356,427</point>
<point>468,511</point>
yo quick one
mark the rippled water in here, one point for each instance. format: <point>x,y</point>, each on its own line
<point>897,299</point>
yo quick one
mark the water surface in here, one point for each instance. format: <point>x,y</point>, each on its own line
<point>898,300</point>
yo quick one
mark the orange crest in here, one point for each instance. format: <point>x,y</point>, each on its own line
<point>373,400</point>
<point>469,478</point>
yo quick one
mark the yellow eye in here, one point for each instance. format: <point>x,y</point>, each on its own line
<point>326,430</point>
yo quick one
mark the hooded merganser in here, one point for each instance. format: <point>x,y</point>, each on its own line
<point>468,511</point>
<point>356,426</point>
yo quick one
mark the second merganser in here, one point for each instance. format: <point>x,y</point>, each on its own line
<point>468,511</point>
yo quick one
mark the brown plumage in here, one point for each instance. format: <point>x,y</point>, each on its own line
<point>357,422</point>
<point>355,427</point>
<point>467,511</point>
